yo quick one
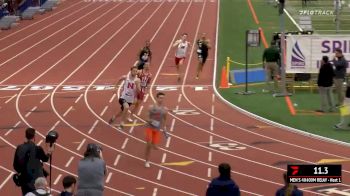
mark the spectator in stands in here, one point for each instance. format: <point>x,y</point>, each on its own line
<point>40,188</point>
<point>325,83</point>
<point>304,3</point>
<point>271,59</point>
<point>3,8</point>
<point>337,3</point>
<point>288,189</point>
<point>345,116</point>
<point>28,161</point>
<point>69,183</point>
<point>91,172</point>
<point>223,185</point>
<point>340,64</point>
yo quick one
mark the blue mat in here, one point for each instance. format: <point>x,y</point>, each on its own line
<point>254,75</point>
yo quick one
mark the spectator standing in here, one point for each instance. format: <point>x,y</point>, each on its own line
<point>288,189</point>
<point>91,172</point>
<point>340,65</point>
<point>271,59</point>
<point>40,188</point>
<point>325,83</point>
<point>345,118</point>
<point>28,161</point>
<point>69,182</point>
<point>223,185</point>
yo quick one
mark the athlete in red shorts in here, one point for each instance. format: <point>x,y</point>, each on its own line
<point>145,77</point>
<point>180,54</point>
<point>157,115</point>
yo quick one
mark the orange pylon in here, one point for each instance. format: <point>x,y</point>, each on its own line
<point>224,79</point>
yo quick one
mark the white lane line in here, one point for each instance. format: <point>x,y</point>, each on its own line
<point>213,98</point>
<point>210,156</point>
<point>47,96</point>
<point>54,47</point>
<point>140,110</point>
<point>45,18</point>
<point>104,110</point>
<point>163,157</point>
<point>93,127</point>
<point>109,177</point>
<point>55,125</point>
<point>80,96</point>
<point>69,161</point>
<point>209,172</point>
<point>6,180</point>
<point>146,97</point>
<point>155,190</point>
<point>168,142</point>
<point>159,176</point>
<point>179,98</point>
<point>211,124</point>
<point>46,38</point>
<point>57,179</point>
<point>10,130</point>
<point>68,110</point>
<point>116,161</point>
<point>210,139</point>
<point>125,142</point>
<point>172,125</point>
<point>212,109</point>
<point>39,143</point>
<point>112,98</point>
<point>133,127</point>
<point>81,144</point>
<point>32,110</point>
<point>10,98</point>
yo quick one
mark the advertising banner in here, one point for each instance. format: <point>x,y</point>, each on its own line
<point>304,52</point>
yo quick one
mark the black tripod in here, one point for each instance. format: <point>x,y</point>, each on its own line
<point>50,168</point>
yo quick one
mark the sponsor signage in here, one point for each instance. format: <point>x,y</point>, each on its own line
<point>304,52</point>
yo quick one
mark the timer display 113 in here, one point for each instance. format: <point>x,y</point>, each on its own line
<point>314,173</point>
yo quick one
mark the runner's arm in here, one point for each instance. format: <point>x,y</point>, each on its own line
<point>120,80</point>
<point>176,43</point>
<point>138,85</point>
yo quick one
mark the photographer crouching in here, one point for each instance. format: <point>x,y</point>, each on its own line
<point>29,158</point>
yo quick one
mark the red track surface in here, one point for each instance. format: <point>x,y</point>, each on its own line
<point>97,44</point>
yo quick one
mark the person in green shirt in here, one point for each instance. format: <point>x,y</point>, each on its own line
<point>271,59</point>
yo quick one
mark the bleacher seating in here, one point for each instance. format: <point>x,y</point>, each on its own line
<point>25,10</point>
<point>6,20</point>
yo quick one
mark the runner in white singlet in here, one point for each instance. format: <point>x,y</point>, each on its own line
<point>131,88</point>
<point>181,46</point>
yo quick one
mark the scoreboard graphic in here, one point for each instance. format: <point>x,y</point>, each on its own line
<point>314,173</point>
